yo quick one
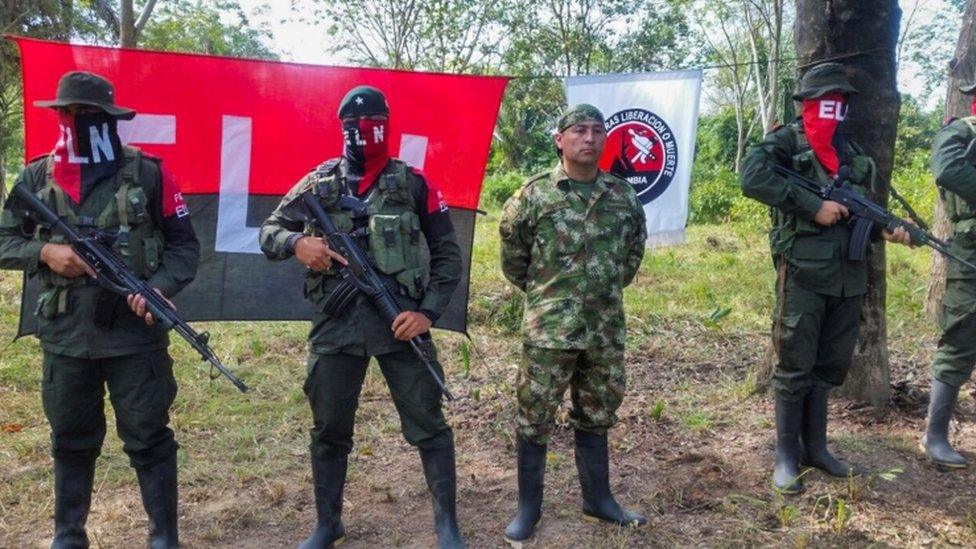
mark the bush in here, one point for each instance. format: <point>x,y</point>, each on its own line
<point>498,188</point>
<point>712,197</point>
<point>915,184</point>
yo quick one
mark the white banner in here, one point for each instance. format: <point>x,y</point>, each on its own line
<point>651,123</point>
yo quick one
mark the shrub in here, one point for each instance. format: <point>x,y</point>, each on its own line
<point>498,188</point>
<point>712,197</point>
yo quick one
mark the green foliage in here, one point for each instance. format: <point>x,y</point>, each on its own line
<point>711,200</point>
<point>914,181</point>
<point>465,351</point>
<point>499,187</point>
<point>216,28</point>
<point>657,411</point>
<point>916,128</point>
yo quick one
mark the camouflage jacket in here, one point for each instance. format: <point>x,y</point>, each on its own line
<point>572,259</point>
<point>955,176</point>
<point>816,256</point>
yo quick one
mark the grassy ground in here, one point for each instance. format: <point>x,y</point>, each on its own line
<point>693,448</point>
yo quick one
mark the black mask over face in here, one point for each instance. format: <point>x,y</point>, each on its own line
<point>88,151</point>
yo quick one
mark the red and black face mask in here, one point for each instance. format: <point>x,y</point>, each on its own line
<point>823,123</point>
<point>88,151</point>
<point>365,150</point>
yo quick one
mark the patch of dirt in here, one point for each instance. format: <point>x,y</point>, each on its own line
<point>702,483</point>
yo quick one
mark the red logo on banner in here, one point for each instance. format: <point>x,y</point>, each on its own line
<point>642,149</point>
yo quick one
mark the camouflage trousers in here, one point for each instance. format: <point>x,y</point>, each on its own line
<point>956,355</point>
<point>595,377</point>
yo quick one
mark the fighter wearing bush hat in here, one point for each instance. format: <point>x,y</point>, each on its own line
<point>90,337</point>
<point>819,287</point>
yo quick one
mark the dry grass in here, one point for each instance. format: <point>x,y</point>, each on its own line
<point>693,447</point>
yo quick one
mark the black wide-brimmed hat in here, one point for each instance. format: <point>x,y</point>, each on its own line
<point>968,89</point>
<point>87,88</point>
<point>821,79</point>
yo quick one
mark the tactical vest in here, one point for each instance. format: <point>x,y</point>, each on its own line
<point>787,226</point>
<point>390,230</point>
<point>961,213</point>
<point>139,241</point>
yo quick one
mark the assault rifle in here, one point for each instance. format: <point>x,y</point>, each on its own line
<point>361,275</point>
<point>865,214</point>
<point>114,275</point>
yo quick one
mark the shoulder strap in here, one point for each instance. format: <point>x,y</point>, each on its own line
<point>52,193</point>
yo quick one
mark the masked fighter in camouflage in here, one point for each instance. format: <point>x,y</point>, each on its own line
<point>91,337</point>
<point>820,289</point>
<point>572,238</point>
<point>955,174</point>
<point>403,207</point>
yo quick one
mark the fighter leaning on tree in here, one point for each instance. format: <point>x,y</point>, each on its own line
<point>819,286</point>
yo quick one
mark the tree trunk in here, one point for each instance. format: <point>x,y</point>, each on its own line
<point>127,25</point>
<point>957,106</point>
<point>862,35</point>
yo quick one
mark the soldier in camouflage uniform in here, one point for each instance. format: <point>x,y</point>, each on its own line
<point>572,239</point>
<point>955,175</point>
<point>819,288</point>
<point>403,207</point>
<point>91,337</point>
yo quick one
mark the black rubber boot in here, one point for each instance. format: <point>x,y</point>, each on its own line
<point>329,477</point>
<point>531,479</point>
<point>157,482</point>
<point>813,434</point>
<point>593,466</point>
<point>786,470</point>
<point>935,442</point>
<point>442,482</point>
<point>73,480</point>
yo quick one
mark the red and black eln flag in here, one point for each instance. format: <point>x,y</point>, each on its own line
<point>237,134</point>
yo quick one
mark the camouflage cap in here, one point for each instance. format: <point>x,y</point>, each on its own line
<point>821,79</point>
<point>968,89</point>
<point>363,101</point>
<point>578,113</point>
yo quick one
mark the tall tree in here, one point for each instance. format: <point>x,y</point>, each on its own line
<point>49,19</point>
<point>863,35</point>
<point>129,25</point>
<point>746,38</point>
<point>961,69</point>
<point>439,35</point>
